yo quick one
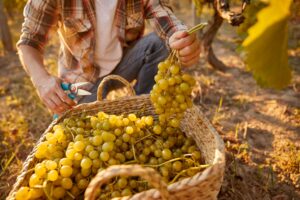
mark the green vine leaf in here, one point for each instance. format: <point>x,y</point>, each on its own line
<point>266,46</point>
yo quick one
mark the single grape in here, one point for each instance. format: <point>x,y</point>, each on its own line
<point>157,129</point>
<point>108,146</point>
<point>75,190</point>
<point>174,123</point>
<point>59,192</point>
<point>122,183</point>
<point>113,161</point>
<point>50,165</point>
<point>149,120</point>
<point>184,87</point>
<point>79,146</point>
<point>166,154</point>
<point>52,175</point>
<point>86,163</point>
<point>161,100</point>
<point>126,137</point>
<point>67,183</point>
<point>126,192</point>
<point>86,172</point>
<point>22,193</point>
<point>108,137</point>
<point>104,156</point>
<point>196,155</point>
<point>97,140</point>
<point>35,193</point>
<point>129,130</point>
<point>142,158</point>
<point>129,155</point>
<point>66,171</point>
<point>96,163</point>
<point>94,154</point>
<point>115,194</point>
<point>164,171</point>
<point>177,166</point>
<point>40,170</point>
<point>65,161</point>
<point>171,81</point>
<point>125,121</point>
<point>35,180</point>
<point>132,117</point>
<point>70,153</point>
<point>77,156</point>
<point>174,69</point>
<point>158,153</point>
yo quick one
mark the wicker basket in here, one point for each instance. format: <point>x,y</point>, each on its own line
<point>203,185</point>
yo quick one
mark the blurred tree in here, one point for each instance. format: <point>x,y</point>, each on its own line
<point>5,34</point>
<point>221,12</point>
<point>266,36</point>
<point>13,7</point>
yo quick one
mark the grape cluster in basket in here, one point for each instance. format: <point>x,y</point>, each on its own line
<point>78,148</point>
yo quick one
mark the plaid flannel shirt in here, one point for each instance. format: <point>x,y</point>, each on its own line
<point>75,22</point>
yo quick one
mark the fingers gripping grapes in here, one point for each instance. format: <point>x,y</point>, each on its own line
<point>187,45</point>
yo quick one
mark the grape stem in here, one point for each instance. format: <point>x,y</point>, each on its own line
<point>38,187</point>
<point>51,190</point>
<point>71,131</point>
<point>197,28</point>
<point>143,138</point>
<point>46,190</point>
<point>184,171</point>
<point>169,161</point>
<point>133,151</point>
<point>70,195</point>
<point>131,162</point>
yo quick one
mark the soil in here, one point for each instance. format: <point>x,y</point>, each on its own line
<point>260,127</point>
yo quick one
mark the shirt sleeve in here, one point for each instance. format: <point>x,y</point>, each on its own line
<point>162,18</point>
<point>40,18</point>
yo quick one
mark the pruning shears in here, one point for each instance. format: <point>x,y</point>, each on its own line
<point>73,90</point>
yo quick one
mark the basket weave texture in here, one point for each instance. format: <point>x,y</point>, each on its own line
<point>204,185</point>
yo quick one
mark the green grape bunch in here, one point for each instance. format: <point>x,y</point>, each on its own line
<point>171,94</point>
<point>75,150</point>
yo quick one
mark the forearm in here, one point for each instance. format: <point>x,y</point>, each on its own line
<point>32,61</point>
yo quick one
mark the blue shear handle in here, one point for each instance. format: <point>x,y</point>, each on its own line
<point>55,116</point>
<point>65,86</point>
<point>71,96</point>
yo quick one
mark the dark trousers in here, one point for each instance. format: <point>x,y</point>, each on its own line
<point>139,62</point>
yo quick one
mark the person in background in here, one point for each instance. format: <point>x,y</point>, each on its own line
<point>98,38</point>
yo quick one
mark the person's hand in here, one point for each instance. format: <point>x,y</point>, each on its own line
<point>188,46</point>
<point>52,94</point>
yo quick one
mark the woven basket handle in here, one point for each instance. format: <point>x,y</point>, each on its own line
<point>117,78</point>
<point>148,174</point>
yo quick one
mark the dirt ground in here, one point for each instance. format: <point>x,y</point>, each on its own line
<point>260,127</point>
